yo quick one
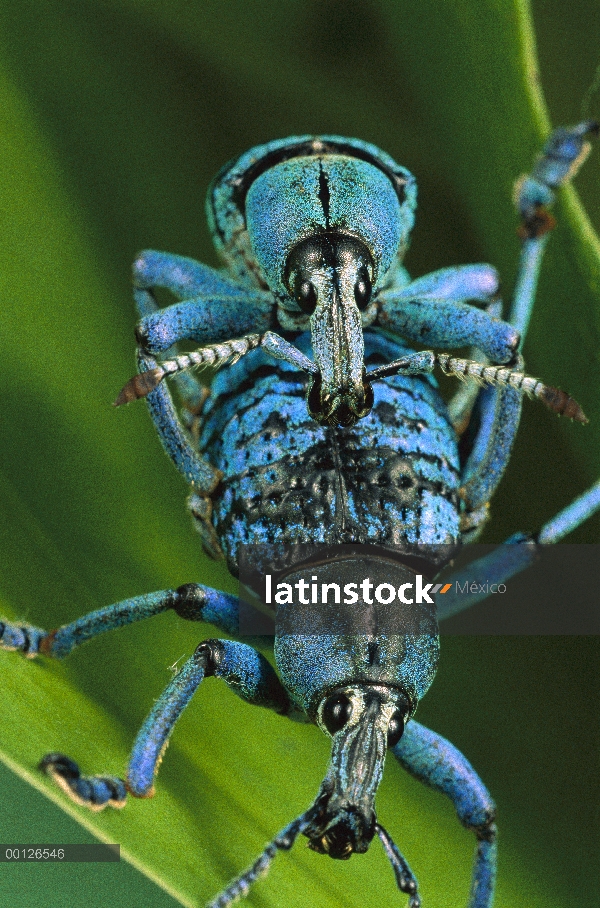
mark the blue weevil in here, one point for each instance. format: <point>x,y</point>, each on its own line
<point>365,453</point>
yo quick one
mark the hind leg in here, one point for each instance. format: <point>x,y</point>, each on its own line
<point>517,554</point>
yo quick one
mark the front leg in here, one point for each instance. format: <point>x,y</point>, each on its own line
<point>437,763</point>
<point>433,310</point>
<point>185,278</point>
<point>206,319</point>
<point>212,308</point>
<point>245,671</point>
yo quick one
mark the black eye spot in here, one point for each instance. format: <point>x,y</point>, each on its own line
<point>395,729</point>
<point>306,296</point>
<point>336,713</point>
<point>362,290</point>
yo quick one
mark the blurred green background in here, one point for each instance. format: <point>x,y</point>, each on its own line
<point>114,117</point>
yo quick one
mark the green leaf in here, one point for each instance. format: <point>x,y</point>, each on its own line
<point>114,117</point>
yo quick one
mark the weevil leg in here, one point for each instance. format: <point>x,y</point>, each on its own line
<point>192,602</point>
<point>461,404</point>
<point>571,517</point>
<point>243,669</point>
<point>433,310</point>
<point>452,285</point>
<point>185,279</point>
<point>207,318</point>
<point>561,158</point>
<point>211,308</point>
<point>437,763</point>
<point>517,553</point>
<point>175,438</point>
<point>499,411</point>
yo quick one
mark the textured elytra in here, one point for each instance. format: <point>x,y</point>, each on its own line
<point>391,480</point>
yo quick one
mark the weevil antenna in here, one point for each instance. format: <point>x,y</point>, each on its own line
<point>283,841</point>
<point>404,875</point>
<point>484,374</point>
<point>215,355</point>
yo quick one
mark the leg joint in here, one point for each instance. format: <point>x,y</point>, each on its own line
<point>483,822</point>
<point>141,337</point>
<point>211,653</point>
<point>488,832</point>
<point>189,601</point>
<point>142,269</point>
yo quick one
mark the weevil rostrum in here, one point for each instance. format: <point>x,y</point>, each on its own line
<point>326,433</point>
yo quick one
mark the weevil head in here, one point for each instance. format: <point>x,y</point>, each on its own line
<point>359,687</point>
<point>330,277</point>
<point>363,722</point>
<point>326,229</point>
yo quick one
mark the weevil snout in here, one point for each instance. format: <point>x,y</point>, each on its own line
<point>363,721</point>
<point>330,277</point>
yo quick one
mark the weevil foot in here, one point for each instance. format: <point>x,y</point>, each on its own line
<point>94,792</point>
<point>22,638</point>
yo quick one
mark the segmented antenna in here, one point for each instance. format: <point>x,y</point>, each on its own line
<point>405,878</point>
<point>215,355</point>
<point>229,352</point>
<point>239,887</point>
<point>555,399</point>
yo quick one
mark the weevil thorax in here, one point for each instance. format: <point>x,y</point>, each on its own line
<point>360,688</point>
<point>320,222</point>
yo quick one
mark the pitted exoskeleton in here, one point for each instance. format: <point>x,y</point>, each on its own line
<point>363,454</point>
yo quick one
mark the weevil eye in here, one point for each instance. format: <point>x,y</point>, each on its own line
<point>336,713</point>
<point>395,729</point>
<point>362,289</point>
<point>305,295</point>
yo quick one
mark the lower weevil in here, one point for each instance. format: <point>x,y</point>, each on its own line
<point>313,232</point>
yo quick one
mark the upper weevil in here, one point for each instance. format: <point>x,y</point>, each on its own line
<point>313,232</point>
